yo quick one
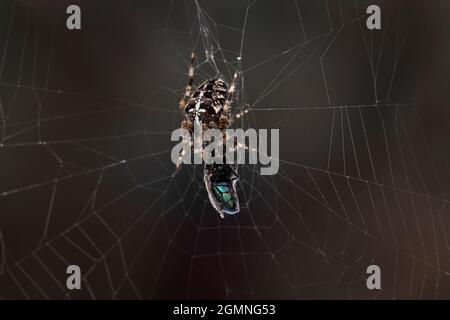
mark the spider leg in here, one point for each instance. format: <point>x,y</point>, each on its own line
<point>188,90</point>
<point>241,114</point>
<point>181,156</point>
<point>186,124</point>
<point>227,121</point>
<point>226,107</point>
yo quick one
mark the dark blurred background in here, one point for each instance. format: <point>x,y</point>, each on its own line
<point>86,176</point>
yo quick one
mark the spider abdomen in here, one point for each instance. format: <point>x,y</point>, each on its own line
<point>206,104</point>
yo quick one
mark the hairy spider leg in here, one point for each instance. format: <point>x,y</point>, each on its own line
<point>183,102</point>
<point>241,114</point>
<point>189,85</point>
<point>231,90</point>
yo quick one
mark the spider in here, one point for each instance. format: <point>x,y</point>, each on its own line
<point>208,105</point>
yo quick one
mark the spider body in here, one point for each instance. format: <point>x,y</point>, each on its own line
<point>208,105</point>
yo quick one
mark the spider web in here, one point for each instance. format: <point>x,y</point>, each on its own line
<point>86,176</point>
